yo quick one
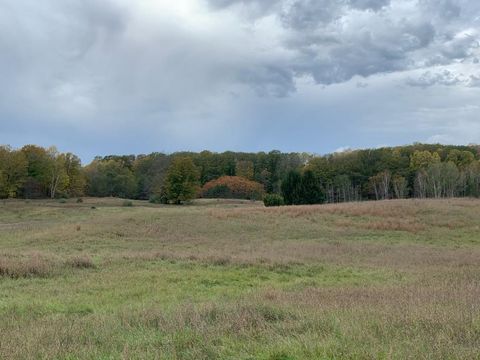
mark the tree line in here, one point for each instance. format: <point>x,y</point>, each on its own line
<point>418,170</point>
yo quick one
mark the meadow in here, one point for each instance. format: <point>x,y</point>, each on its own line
<point>109,279</point>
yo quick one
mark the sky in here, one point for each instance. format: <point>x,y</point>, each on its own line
<point>129,77</point>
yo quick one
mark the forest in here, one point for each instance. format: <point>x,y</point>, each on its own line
<point>418,170</point>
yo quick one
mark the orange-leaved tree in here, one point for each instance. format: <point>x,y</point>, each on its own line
<point>233,187</point>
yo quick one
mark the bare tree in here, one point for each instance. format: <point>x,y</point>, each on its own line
<point>421,184</point>
<point>380,184</point>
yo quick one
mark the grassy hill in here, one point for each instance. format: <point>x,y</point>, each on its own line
<point>235,280</point>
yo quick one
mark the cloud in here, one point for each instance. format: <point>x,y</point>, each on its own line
<point>444,77</point>
<point>474,80</point>
<point>368,4</point>
<point>152,67</point>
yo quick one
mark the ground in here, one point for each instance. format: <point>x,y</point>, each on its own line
<point>101,279</point>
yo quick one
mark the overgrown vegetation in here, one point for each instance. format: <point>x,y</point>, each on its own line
<point>235,280</point>
<point>273,200</point>
<point>419,170</point>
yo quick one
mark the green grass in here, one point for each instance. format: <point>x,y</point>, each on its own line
<point>234,280</point>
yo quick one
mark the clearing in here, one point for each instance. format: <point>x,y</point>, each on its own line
<point>234,280</point>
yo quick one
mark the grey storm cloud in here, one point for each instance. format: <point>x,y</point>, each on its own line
<point>336,40</point>
<point>193,68</point>
<point>331,41</point>
<point>368,4</point>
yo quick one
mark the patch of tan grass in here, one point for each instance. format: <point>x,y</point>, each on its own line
<point>81,262</point>
<point>34,265</point>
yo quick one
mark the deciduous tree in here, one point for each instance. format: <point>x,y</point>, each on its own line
<point>182,180</point>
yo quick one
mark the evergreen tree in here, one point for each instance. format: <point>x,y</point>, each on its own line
<point>312,191</point>
<point>292,188</point>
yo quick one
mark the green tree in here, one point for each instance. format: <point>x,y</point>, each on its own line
<point>473,179</point>
<point>150,171</point>
<point>292,188</point>
<point>110,178</point>
<point>13,171</point>
<point>76,178</point>
<point>182,180</point>
<point>244,168</point>
<point>423,159</point>
<point>312,191</point>
<point>461,158</point>
<point>38,171</point>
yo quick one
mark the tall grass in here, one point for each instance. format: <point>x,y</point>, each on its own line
<point>218,280</point>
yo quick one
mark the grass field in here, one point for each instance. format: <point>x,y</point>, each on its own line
<point>235,280</point>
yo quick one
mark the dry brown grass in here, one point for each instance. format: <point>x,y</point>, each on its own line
<point>81,262</point>
<point>34,265</point>
<point>240,281</point>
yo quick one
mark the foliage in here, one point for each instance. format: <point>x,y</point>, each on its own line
<point>158,199</point>
<point>232,187</point>
<point>13,172</point>
<point>76,182</point>
<point>399,184</point>
<point>460,158</point>
<point>150,171</point>
<point>423,159</point>
<point>245,169</point>
<point>38,171</point>
<point>383,173</point>
<point>273,200</point>
<point>292,188</point>
<point>312,192</point>
<point>110,178</point>
<point>380,184</point>
<point>303,188</point>
<point>181,181</point>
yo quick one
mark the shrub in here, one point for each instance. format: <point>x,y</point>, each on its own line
<point>158,199</point>
<point>127,203</point>
<point>233,187</point>
<point>273,200</point>
<point>62,201</point>
<point>79,200</point>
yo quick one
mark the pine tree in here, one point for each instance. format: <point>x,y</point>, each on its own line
<point>312,192</point>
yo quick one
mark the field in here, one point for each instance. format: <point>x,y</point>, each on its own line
<point>234,280</point>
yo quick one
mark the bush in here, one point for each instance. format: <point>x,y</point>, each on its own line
<point>127,203</point>
<point>233,187</point>
<point>79,200</point>
<point>158,199</point>
<point>273,200</point>
<point>62,201</point>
